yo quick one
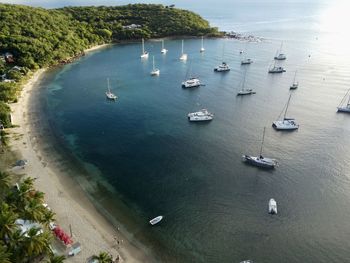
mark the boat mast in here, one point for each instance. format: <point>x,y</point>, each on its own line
<point>143,46</point>
<point>182,47</point>
<point>109,90</point>
<point>202,43</point>
<point>295,76</point>
<point>285,113</point>
<point>262,142</point>
<point>281,47</point>
<point>245,73</point>
<point>162,44</point>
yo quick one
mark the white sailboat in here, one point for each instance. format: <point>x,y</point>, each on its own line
<point>279,54</point>
<point>183,55</point>
<point>202,47</point>
<point>155,71</point>
<point>295,83</point>
<point>109,94</point>
<point>244,91</point>
<point>144,53</point>
<point>286,123</point>
<point>163,50</point>
<point>276,69</point>
<point>345,107</point>
<point>224,67</point>
<point>260,161</point>
<point>272,206</point>
<point>246,61</point>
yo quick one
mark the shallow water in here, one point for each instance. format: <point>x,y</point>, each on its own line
<point>144,152</point>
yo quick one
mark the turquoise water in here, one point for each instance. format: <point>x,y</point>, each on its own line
<point>142,150</point>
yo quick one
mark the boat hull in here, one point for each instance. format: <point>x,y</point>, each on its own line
<point>155,72</point>
<point>145,55</point>
<point>286,125</point>
<point>344,109</point>
<point>260,162</point>
<point>242,93</point>
<point>156,220</point>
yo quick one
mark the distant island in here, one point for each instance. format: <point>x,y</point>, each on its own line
<point>33,38</point>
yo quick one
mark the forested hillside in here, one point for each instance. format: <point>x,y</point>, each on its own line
<point>31,38</point>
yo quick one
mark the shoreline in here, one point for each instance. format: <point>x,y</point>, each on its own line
<point>30,139</point>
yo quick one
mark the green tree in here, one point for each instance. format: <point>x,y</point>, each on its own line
<point>7,221</point>
<point>56,259</point>
<point>103,257</point>
<point>4,254</point>
<point>4,184</point>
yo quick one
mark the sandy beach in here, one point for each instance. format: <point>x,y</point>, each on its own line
<point>31,141</point>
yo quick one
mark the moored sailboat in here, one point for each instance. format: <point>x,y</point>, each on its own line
<point>244,91</point>
<point>109,94</point>
<point>155,71</point>
<point>144,53</point>
<point>295,83</point>
<point>163,50</point>
<point>183,56</point>
<point>345,107</point>
<point>286,123</point>
<point>272,206</point>
<point>260,161</point>
<point>279,54</point>
<point>202,47</point>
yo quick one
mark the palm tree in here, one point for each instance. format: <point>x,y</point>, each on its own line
<point>36,243</point>
<point>15,244</point>
<point>34,210</point>
<point>55,259</point>
<point>4,183</point>
<point>104,257</point>
<point>7,221</point>
<point>4,254</point>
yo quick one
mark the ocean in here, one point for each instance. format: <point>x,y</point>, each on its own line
<point>145,159</point>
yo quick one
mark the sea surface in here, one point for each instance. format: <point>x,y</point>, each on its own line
<point>145,159</point>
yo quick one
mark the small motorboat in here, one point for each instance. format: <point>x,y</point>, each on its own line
<point>245,92</point>
<point>156,220</point>
<point>272,207</point>
<point>202,115</point>
<point>246,61</point>
<point>246,261</point>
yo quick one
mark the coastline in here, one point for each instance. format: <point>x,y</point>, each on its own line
<point>30,139</point>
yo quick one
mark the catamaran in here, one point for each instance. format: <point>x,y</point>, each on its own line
<point>280,55</point>
<point>224,66</point>
<point>272,207</point>
<point>109,94</point>
<point>155,71</point>
<point>286,123</point>
<point>183,55</point>
<point>346,107</point>
<point>244,91</point>
<point>202,47</point>
<point>163,51</point>
<point>191,82</point>
<point>260,161</point>
<point>156,220</point>
<point>276,69</point>
<point>144,53</point>
<point>202,115</point>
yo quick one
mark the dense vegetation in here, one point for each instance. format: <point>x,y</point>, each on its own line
<point>26,203</point>
<point>38,37</point>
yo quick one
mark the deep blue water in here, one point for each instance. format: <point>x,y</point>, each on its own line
<point>142,150</point>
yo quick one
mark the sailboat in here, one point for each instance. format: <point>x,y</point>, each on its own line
<point>285,123</point>
<point>246,61</point>
<point>276,69</point>
<point>295,83</point>
<point>109,94</point>
<point>202,47</point>
<point>224,66</point>
<point>144,53</point>
<point>279,54</point>
<point>163,51</point>
<point>191,82</point>
<point>183,55</point>
<point>155,71</point>
<point>244,91</point>
<point>260,161</point>
<point>346,107</point>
